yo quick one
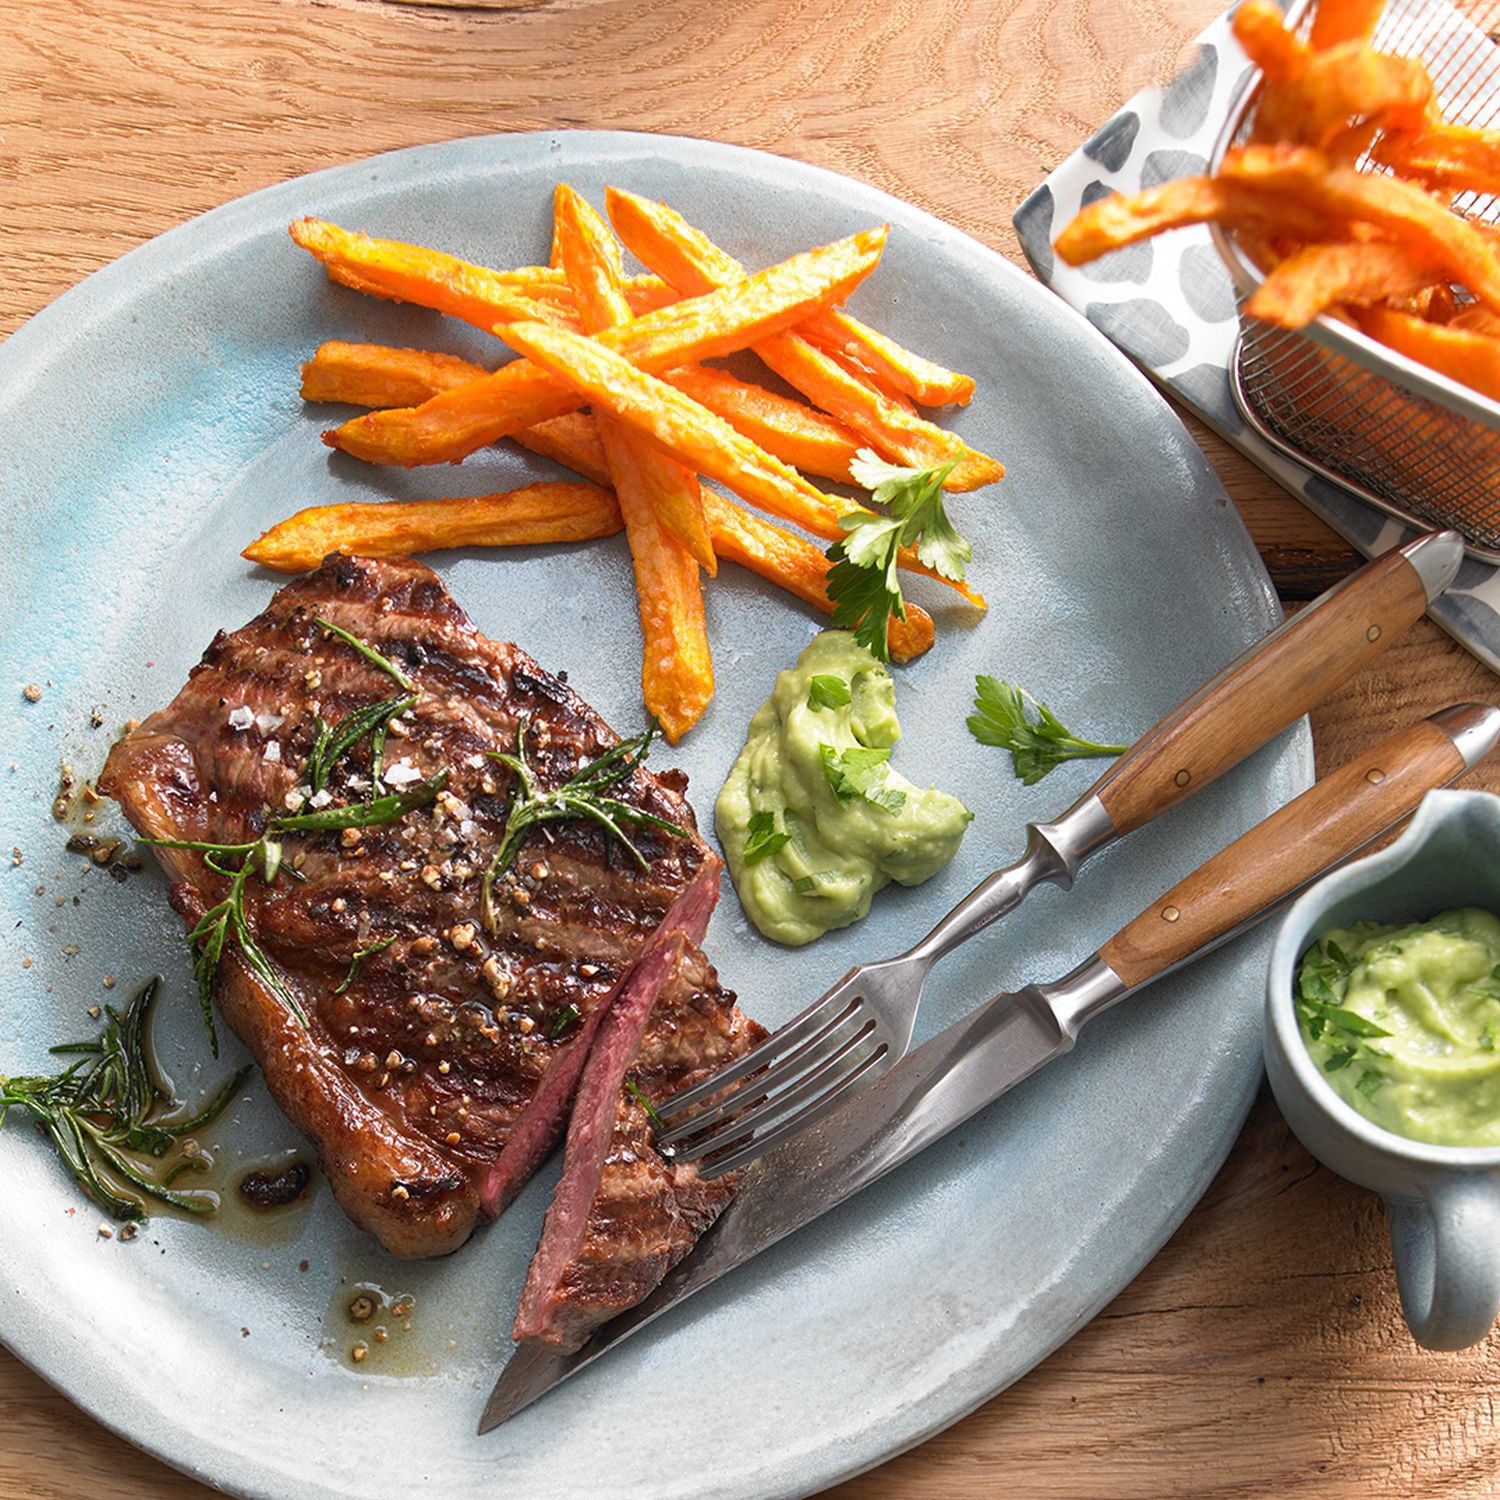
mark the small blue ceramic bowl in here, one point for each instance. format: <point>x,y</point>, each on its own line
<point>1443,1201</point>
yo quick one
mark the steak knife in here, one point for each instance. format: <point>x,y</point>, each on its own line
<point>958,1072</point>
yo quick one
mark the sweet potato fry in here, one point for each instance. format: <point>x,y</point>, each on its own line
<point>1280,54</point>
<point>571,440</point>
<point>1306,179</point>
<point>793,563</point>
<point>792,431</point>
<point>1456,157</point>
<point>780,556</point>
<point>894,369</point>
<point>677,673</point>
<point>591,262</point>
<point>679,426</point>
<point>1347,82</point>
<point>375,375</point>
<point>1477,318</point>
<point>1336,21</point>
<point>697,264</point>
<point>686,259</point>
<point>452,425</point>
<point>429,278</point>
<point>1115,222</point>
<point>1321,276</point>
<point>1471,358</point>
<point>534,513</point>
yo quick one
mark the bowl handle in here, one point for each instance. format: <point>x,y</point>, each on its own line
<point>1447,1249</point>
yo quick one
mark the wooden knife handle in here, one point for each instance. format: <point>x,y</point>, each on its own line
<point>1274,683</point>
<point>1327,823</point>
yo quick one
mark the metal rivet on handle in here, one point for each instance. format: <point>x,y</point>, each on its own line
<point>1373,633</point>
<point>1170,914</point>
<point>1183,777</point>
<point>1374,777</point>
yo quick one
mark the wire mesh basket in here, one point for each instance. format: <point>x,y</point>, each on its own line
<point>1412,442</point>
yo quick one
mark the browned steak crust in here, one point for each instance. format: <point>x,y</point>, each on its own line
<point>410,1081</point>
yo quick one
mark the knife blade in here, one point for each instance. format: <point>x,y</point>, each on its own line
<point>949,1078</point>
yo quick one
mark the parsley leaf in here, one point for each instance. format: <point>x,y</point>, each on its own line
<point>1037,745</point>
<point>861,772</point>
<point>828,690</point>
<point>863,583</point>
<point>763,840</point>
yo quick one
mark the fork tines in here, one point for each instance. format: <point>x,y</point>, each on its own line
<point>776,1089</point>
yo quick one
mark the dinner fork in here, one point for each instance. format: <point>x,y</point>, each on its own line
<point>863,1026</point>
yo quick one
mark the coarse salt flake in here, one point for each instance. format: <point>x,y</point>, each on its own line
<point>267,722</point>
<point>403,773</point>
<point>321,799</point>
<point>272,751</point>
<point>241,717</point>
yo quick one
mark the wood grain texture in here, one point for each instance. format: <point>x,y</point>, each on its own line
<point>1348,809</point>
<point>1262,1352</point>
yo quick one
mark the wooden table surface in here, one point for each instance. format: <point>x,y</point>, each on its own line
<point>1262,1352</point>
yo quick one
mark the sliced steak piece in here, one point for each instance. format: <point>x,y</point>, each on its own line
<point>623,1214</point>
<point>410,1077</point>
<point>541,1125</point>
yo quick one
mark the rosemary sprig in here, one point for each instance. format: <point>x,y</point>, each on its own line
<point>104,1112</point>
<point>585,795</point>
<point>369,653</point>
<point>360,956</point>
<point>634,1090</point>
<point>333,741</point>
<point>226,920</point>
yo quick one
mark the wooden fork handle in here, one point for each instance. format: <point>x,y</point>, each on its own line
<point>1277,681</point>
<point>1326,824</point>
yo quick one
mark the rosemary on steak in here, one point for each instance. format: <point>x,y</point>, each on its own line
<point>226,921</point>
<point>332,741</point>
<point>104,1114</point>
<point>360,955</point>
<point>237,863</point>
<point>586,795</point>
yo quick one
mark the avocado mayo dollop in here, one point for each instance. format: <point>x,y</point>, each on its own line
<point>812,819</point>
<point>1405,1022</point>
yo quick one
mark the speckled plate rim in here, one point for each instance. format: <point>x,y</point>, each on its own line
<point>60,1354</point>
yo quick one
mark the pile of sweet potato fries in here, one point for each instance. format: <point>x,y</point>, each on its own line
<point>612,384</point>
<point>1342,196</point>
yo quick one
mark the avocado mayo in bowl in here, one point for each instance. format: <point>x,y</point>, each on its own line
<point>813,819</point>
<point>1404,1021</point>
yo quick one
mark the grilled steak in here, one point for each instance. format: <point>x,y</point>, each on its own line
<point>623,1215</point>
<point>411,1075</point>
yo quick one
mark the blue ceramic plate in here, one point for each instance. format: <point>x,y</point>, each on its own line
<point>153,427</point>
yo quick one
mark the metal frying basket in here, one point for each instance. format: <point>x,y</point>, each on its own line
<point>1411,442</point>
